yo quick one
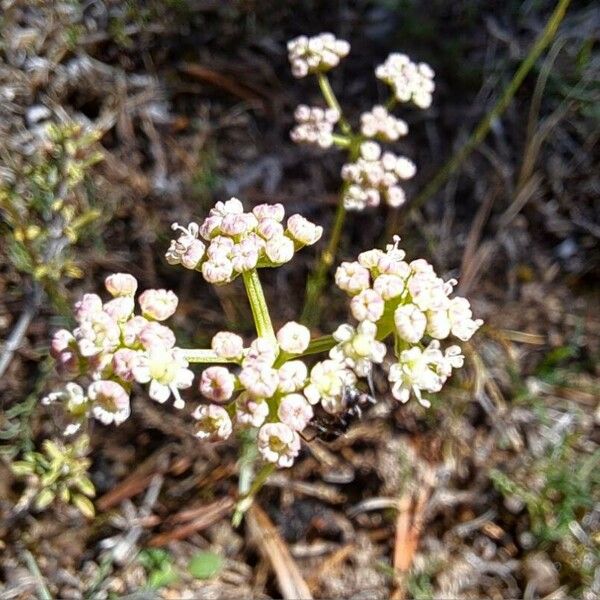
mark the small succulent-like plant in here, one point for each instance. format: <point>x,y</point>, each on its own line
<point>59,472</point>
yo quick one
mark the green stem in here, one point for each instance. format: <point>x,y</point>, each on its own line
<point>201,355</point>
<point>332,101</point>
<point>317,281</point>
<point>341,140</point>
<point>258,304</point>
<point>485,124</point>
<point>246,502</point>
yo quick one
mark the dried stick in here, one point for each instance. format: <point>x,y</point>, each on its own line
<point>20,329</point>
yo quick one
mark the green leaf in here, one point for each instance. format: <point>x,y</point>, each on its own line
<point>84,505</point>
<point>43,499</point>
<point>205,565</point>
<point>163,576</point>
<point>86,486</point>
<point>21,468</point>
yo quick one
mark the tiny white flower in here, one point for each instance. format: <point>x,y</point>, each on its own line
<point>293,338</point>
<point>303,231</point>
<point>278,444</point>
<point>110,402</point>
<point>352,278</point>
<point>121,284</point>
<point>292,376</point>
<point>295,411</point>
<point>158,304</point>
<point>227,345</point>
<point>260,380</point>
<point>166,371</point>
<point>280,249</point>
<point>213,423</point>
<point>250,411</point>
<point>217,384</point>
<point>368,305</point>
<point>410,323</point>
<point>327,381</point>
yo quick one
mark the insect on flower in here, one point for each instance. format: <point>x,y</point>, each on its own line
<point>329,427</point>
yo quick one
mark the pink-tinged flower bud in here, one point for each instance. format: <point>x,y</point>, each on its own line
<point>405,168</point>
<point>244,255</point>
<point>292,376</point>
<point>235,225</point>
<point>269,211</point>
<point>389,286</point>
<point>352,278</point>
<point>132,329</point>
<point>213,423</point>
<point>120,309</point>
<point>220,248</point>
<point>395,196</point>
<point>438,324</point>
<point>110,402</point>
<point>217,384</point>
<point>227,345</point>
<point>293,338</point>
<point>370,258</point>
<point>231,207</point>
<point>250,411</point>
<point>295,411</point>
<point>123,361</point>
<point>368,305</point>
<point>261,350</point>
<point>217,272</point>
<point>303,231</point>
<point>278,444</point>
<point>410,323</point>
<point>259,380</point>
<point>89,305</point>
<point>61,340</point>
<point>187,249</point>
<point>279,250</point>
<point>121,284</point>
<point>158,304</point>
<point>154,334</point>
<point>210,227</point>
<point>269,228</point>
<point>97,333</point>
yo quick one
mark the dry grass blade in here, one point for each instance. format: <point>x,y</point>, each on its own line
<point>271,545</point>
<point>204,517</point>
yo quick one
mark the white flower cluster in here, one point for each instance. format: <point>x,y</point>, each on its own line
<point>112,347</point>
<point>272,390</point>
<point>379,123</point>
<point>268,396</point>
<point>373,175</point>
<point>236,241</point>
<point>315,54</point>
<point>383,283</point>
<point>314,125</point>
<point>408,80</point>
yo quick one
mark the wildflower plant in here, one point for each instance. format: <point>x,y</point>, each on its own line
<point>268,389</point>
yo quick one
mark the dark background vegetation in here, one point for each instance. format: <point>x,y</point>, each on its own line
<point>497,483</point>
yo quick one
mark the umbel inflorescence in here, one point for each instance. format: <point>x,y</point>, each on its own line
<point>267,384</point>
<point>272,387</point>
<point>371,173</point>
